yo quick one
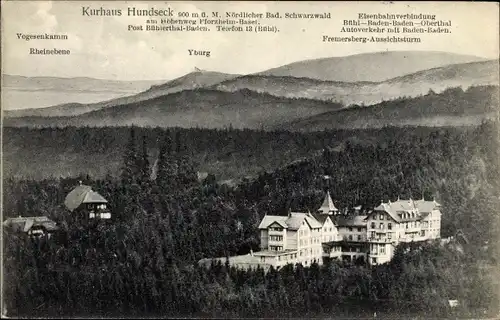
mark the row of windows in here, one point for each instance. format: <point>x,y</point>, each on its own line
<point>306,242</point>
<point>287,257</point>
<point>276,238</point>
<point>381,250</point>
<point>373,235</point>
<point>328,238</point>
<point>408,215</point>
<point>275,229</point>
<point>92,206</point>
<point>310,252</point>
<point>103,215</point>
<point>381,225</point>
<point>413,224</point>
<point>359,229</point>
<point>276,248</point>
<point>359,237</point>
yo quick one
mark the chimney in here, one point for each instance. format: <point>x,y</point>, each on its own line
<point>251,252</point>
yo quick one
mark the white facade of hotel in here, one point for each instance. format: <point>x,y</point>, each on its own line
<point>306,238</point>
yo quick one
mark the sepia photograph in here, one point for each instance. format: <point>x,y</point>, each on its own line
<point>250,159</point>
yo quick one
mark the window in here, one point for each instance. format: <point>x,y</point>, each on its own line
<point>372,235</point>
<point>91,215</point>
<point>381,216</point>
<point>373,225</point>
<point>382,226</point>
<point>382,249</point>
<point>350,237</point>
<point>106,215</point>
<point>359,237</point>
<point>389,235</point>
<point>357,249</point>
<point>330,229</point>
<point>350,228</point>
<point>389,226</point>
<point>422,233</point>
<point>359,229</point>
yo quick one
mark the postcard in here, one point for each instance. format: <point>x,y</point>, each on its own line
<point>250,159</point>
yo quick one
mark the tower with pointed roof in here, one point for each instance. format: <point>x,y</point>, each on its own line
<point>328,207</point>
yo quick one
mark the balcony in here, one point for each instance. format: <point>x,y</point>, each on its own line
<point>376,253</point>
<point>379,239</point>
<point>275,243</point>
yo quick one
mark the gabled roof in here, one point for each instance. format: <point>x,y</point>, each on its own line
<point>321,218</point>
<point>269,220</point>
<point>26,223</point>
<point>291,222</point>
<point>350,221</point>
<point>82,194</point>
<point>397,209</point>
<point>328,205</point>
<point>94,197</point>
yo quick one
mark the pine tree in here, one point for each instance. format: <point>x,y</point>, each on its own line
<point>186,175</point>
<point>130,170</point>
<point>167,166</point>
<point>144,162</point>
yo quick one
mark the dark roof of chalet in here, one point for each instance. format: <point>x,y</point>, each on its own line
<point>321,217</point>
<point>332,243</point>
<point>350,221</point>
<point>397,209</point>
<point>26,223</point>
<point>82,194</point>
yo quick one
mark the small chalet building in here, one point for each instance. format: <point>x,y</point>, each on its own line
<point>33,226</point>
<point>87,204</point>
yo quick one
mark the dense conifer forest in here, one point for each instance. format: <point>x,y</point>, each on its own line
<point>144,261</point>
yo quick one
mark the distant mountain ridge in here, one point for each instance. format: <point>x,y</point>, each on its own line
<point>202,107</point>
<point>210,99</point>
<point>452,107</point>
<point>371,67</point>
<point>436,79</point>
<point>30,93</point>
<point>194,80</point>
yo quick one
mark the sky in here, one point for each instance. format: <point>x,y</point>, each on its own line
<point>102,47</point>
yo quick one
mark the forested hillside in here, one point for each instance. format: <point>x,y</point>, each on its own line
<point>227,153</point>
<point>142,262</point>
<point>452,107</point>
